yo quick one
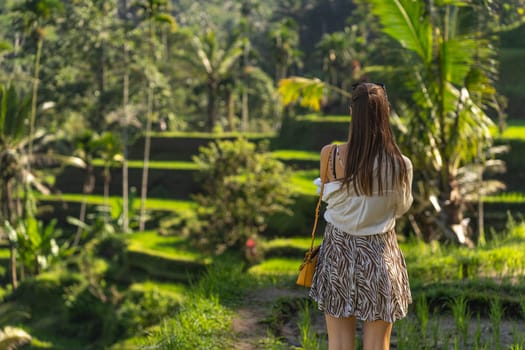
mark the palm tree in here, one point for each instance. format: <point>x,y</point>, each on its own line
<point>13,116</point>
<point>451,88</point>
<point>248,8</point>
<point>125,116</point>
<point>36,15</point>
<point>284,37</point>
<point>342,55</point>
<point>153,11</point>
<point>446,124</point>
<point>17,178</point>
<point>211,64</point>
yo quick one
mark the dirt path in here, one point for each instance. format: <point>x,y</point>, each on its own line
<point>249,323</point>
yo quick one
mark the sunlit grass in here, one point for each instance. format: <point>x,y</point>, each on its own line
<point>187,165</point>
<point>286,154</point>
<point>4,253</point>
<point>502,257</point>
<point>277,267</point>
<point>293,242</point>
<point>302,180</point>
<point>505,197</point>
<point>315,118</point>
<point>176,205</point>
<point>209,135</point>
<point>167,165</point>
<point>515,130</point>
<point>173,290</point>
<point>201,323</point>
<point>171,247</point>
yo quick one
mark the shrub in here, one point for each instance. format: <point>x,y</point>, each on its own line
<point>141,309</point>
<point>112,247</point>
<point>242,186</point>
<point>49,287</point>
<point>91,317</point>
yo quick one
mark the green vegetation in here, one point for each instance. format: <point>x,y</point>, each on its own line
<point>296,155</point>
<point>155,165</point>
<point>170,247</point>
<point>152,203</point>
<point>101,100</point>
<point>515,130</point>
<point>314,118</point>
<point>242,187</point>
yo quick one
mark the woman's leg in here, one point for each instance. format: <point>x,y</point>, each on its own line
<point>376,335</point>
<point>341,332</point>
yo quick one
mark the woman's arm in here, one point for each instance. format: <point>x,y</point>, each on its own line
<point>325,158</point>
<point>405,194</point>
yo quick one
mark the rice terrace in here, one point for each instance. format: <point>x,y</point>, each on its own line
<point>157,166</point>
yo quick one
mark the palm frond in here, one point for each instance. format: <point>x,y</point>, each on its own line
<point>308,91</point>
<point>168,19</point>
<point>407,22</point>
<point>201,53</point>
<point>457,56</point>
<point>230,57</point>
<point>10,311</point>
<point>11,338</point>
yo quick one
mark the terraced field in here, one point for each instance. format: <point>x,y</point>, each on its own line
<point>166,263</point>
<point>172,180</point>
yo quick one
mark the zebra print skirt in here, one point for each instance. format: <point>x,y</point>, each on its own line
<point>361,276</point>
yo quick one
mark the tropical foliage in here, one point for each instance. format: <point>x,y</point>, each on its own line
<point>449,72</point>
<point>124,90</point>
<point>243,185</point>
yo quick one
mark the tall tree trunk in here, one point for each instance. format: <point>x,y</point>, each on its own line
<point>34,97</point>
<point>101,80</point>
<point>480,239</point>
<point>125,98</point>
<point>147,140</point>
<point>244,107</point>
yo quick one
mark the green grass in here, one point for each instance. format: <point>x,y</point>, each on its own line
<point>175,205</point>
<point>277,267</point>
<point>501,258</point>
<point>174,290</point>
<point>169,247</point>
<point>505,197</point>
<point>296,155</point>
<point>185,165</point>
<point>4,253</point>
<point>293,242</point>
<point>209,135</point>
<point>515,130</point>
<point>205,319</point>
<point>302,180</point>
<point>315,118</point>
<point>167,165</point>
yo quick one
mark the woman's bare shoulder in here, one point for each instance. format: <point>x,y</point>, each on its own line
<point>327,147</point>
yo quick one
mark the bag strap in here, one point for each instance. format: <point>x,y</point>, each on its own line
<point>320,199</point>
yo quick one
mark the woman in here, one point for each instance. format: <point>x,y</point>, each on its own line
<point>361,273</point>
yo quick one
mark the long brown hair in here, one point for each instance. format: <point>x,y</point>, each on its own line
<point>372,151</point>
